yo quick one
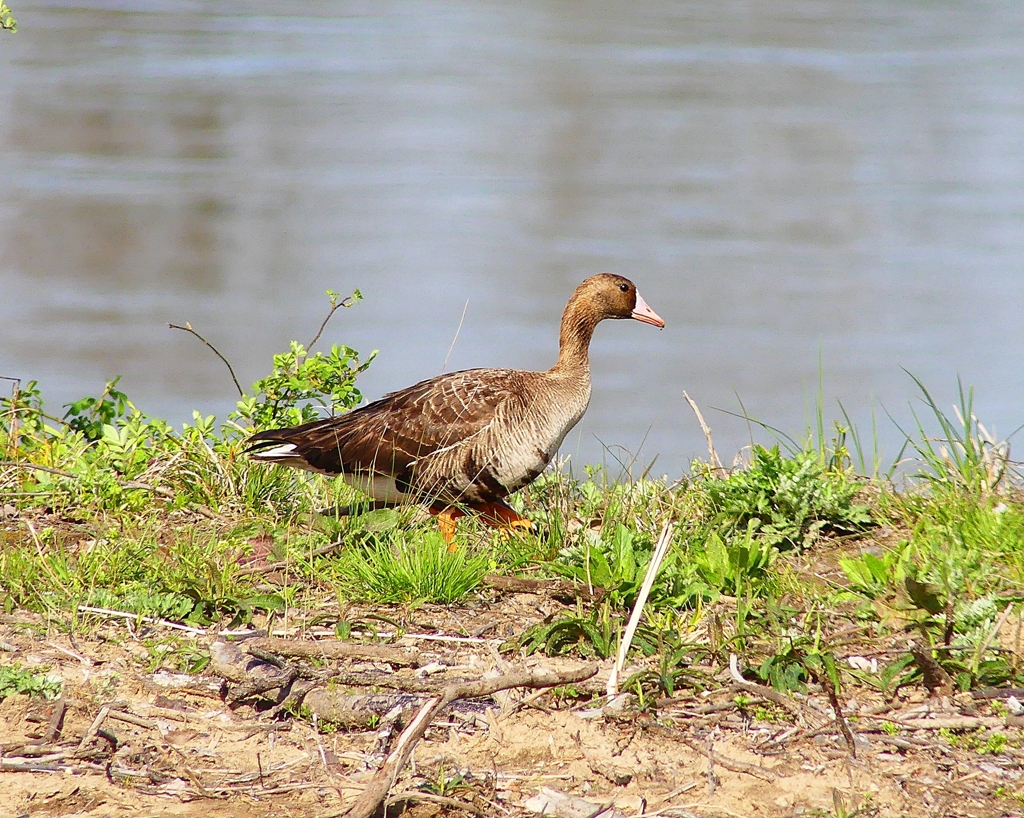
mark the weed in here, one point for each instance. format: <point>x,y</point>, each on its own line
<point>615,560</point>
<point>17,679</point>
<point>788,502</point>
<point>976,741</point>
<point>596,635</point>
<point>965,456</point>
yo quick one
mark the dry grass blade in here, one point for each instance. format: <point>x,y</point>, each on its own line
<point>716,464</point>
<point>660,550</point>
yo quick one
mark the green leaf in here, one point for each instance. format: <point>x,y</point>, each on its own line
<point>925,595</point>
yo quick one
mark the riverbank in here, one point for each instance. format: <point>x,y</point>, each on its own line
<point>817,640</point>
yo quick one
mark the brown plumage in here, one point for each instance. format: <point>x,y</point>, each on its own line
<point>466,438</point>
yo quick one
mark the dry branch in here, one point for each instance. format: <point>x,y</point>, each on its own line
<point>376,791</point>
<point>716,464</point>
<point>334,649</point>
<point>188,328</point>
<point>441,800</point>
<point>730,764</point>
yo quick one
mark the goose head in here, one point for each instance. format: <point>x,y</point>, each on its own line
<point>605,295</point>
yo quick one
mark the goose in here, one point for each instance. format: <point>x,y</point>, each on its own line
<point>463,441</point>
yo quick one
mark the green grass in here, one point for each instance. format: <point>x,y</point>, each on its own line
<point>408,569</point>
<point>117,510</point>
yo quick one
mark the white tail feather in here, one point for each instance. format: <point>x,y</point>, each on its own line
<point>282,452</point>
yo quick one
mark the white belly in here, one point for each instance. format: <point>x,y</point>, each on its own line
<point>531,449</point>
<point>378,487</point>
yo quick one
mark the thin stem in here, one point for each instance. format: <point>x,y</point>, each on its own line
<point>188,328</point>
<point>348,301</point>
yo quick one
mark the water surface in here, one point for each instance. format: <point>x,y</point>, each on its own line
<point>787,182</point>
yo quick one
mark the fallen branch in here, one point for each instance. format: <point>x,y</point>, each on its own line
<point>94,728</point>
<point>430,798</point>
<point>333,649</point>
<point>376,791</point>
<point>53,726</point>
<point>952,723</point>
<point>267,567</point>
<point>730,764</point>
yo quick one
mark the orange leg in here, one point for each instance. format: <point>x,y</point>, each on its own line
<point>500,515</point>
<point>446,518</point>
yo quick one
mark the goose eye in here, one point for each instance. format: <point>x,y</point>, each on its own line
<point>624,288</point>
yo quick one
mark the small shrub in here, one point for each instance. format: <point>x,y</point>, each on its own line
<point>789,502</point>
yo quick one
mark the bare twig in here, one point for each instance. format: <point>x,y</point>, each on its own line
<point>833,697</point>
<point>335,306</point>
<point>267,567</point>
<point>188,328</point>
<point>54,725</point>
<point>94,728</point>
<point>131,718</point>
<point>716,464</point>
<point>951,723</point>
<point>18,464</point>
<point>376,791</point>
<point>430,798</point>
<point>552,587</point>
<point>334,649</point>
<point>147,619</point>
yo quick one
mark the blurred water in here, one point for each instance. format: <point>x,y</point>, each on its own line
<point>785,181</point>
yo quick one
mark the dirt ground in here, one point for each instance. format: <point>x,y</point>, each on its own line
<point>137,742</point>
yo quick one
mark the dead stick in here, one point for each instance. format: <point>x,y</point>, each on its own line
<point>377,790</point>
<point>430,798</point>
<point>716,464</point>
<point>332,649</point>
<point>54,725</point>
<point>542,586</point>
<point>188,328</point>
<point>94,728</point>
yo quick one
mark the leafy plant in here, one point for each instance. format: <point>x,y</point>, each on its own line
<point>738,567</point>
<point>17,679</point>
<point>592,636</point>
<point>90,415</point>
<point>789,502</point>
<point>615,560</point>
<point>7,20</point>
<point>302,385</point>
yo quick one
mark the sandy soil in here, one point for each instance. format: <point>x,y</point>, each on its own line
<point>172,745</point>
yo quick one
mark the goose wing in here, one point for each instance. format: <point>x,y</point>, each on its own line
<point>392,435</point>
